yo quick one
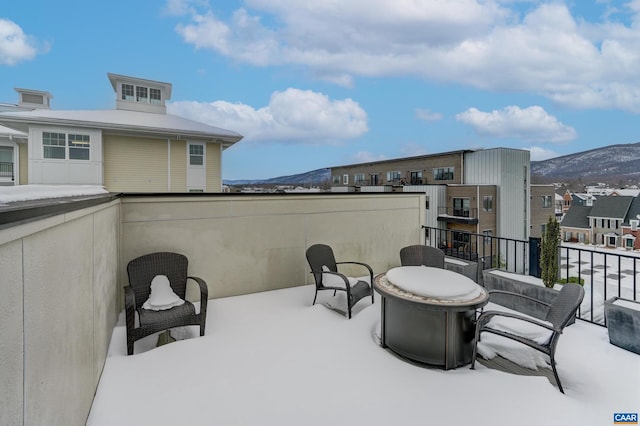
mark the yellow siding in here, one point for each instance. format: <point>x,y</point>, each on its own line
<point>178,166</point>
<point>214,167</point>
<point>135,164</point>
<point>23,178</point>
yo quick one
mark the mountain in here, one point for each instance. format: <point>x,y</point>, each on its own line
<point>314,178</point>
<point>613,164</point>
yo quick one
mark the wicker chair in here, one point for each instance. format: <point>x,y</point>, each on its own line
<point>559,313</point>
<point>141,272</point>
<point>422,255</point>
<point>322,261</point>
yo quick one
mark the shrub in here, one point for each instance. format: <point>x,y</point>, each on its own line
<point>574,280</point>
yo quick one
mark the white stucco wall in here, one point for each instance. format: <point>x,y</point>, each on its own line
<point>59,285</point>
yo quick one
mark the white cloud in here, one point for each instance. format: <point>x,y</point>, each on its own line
<point>367,157</point>
<point>539,154</point>
<point>292,116</point>
<point>484,44</point>
<point>427,115</point>
<point>529,124</point>
<point>15,45</point>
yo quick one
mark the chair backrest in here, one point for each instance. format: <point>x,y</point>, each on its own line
<point>565,305</point>
<point>319,255</point>
<point>141,271</point>
<point>422,255</point>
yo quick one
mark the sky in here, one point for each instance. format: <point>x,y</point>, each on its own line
<point>272,358</point>
<point>321,84</point>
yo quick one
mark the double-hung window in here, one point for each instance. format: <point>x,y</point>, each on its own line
<point>196,155</point>
<point>546,201</point>
<point>487,203</point>
<point>443,173</point>
<point>154,96</point>
<point>62,146</point>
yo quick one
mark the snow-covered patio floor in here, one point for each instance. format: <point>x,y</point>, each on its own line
<point>273,359</point>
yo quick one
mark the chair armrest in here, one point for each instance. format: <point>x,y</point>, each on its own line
<point>204,292</point>
<point>522,296</point>
<point>361,264</point>
<point>347,286</point>
<point>484,318</point>
<point>130,306</point>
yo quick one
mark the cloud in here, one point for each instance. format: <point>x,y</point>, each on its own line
<point>15,45</point>
<point>428,116</point>
<point>539,154</point>
<point>531,124</point>
<point>292,116</point>
<point>367,157</point>
<point>494,46</point>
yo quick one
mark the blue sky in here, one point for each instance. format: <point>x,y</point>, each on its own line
<point>321,84</point>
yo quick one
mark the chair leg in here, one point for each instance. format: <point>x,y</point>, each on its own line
<point>314,297</point>
<point>475,349</point>
<point>555,373</point>
<point>129,347</point>
<point>202,325</point>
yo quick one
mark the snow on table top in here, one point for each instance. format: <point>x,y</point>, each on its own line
<point>434,283</point>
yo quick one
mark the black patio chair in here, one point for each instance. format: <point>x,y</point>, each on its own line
<point>324,267</point>
<point>142,271</point>
<point>559,313</point>
<point>418,255</point>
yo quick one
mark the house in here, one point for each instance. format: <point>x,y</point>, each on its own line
<point>604,220</point>
<point>136,147</point>
<point>485,192</point>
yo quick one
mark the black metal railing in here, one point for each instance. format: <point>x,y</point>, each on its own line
<point>603,273</point>
<point>6,170</point>
<point>458,212</point>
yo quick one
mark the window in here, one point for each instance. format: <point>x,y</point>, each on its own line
<point>154,96</point>
<point>127,92</point>
<point>375,179</point>
<point>141,94</point>
<point>634,224</point>
<point>196,154</point>
<point>461,207</point>
<point>426,202</point>
<point>612,241</point>
<point>568,236</point>
<point>416,178</point>
<point>443,173</point>
<point>488,234</point>
<point>487,203</point>
<point>78,147</point>
<point>359,179</point>
<point>336,180</point>
<point>54,145</point>
<point>393,176</point>
<point>345,179</point>
<point>581,238</point>
<point>546,201</point>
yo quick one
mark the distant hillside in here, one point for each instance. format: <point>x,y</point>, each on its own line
<point>613,164</point>
<point>315,178</point>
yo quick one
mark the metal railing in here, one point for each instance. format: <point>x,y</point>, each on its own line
<point>604,273</point>
<point>6,170</point>
<point>458,212</point>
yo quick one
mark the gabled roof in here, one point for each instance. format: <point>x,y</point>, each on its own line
<point>577,217</point>
<point>634,211</point>
<point>122,122</point>
<point>11,133</point>
<point>613,207</point>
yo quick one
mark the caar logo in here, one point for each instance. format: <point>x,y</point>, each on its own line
<point>625,418</point>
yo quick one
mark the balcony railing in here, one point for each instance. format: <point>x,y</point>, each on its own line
<point>6,170</point>
<point>603,272</point>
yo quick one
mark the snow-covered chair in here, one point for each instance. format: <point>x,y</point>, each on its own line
<point>422,255</point>
<point>156,291</point>
<point>325,272</point>
<point>559,313</point>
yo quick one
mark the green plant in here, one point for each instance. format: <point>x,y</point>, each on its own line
<point>549,252</point>
<point>574,280</point>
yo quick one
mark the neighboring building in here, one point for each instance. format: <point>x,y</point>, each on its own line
<point>468,191</point>
<point>542,206</point>
<point>631,226</point>
<point>136,147</point>
<point>610,221</point>
<point>10,142</point>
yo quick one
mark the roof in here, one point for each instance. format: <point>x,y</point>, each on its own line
<point>577,217</point>
<point>11,133</point>
<point>614,207</point>
<point>122,121</point>
<point>634,211</point>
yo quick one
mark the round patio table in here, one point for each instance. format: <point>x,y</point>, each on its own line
<point>428,314</point>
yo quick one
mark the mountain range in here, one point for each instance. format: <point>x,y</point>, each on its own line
<point>613,164</point>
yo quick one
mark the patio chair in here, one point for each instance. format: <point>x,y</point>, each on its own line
<point>325,272</point>
<point>559,313</point>
<point>149,268</point>
<point>422,255</point>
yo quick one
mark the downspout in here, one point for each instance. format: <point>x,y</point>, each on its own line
<point>168,164</point>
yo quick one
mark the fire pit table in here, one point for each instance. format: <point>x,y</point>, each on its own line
<point>428,314</point>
